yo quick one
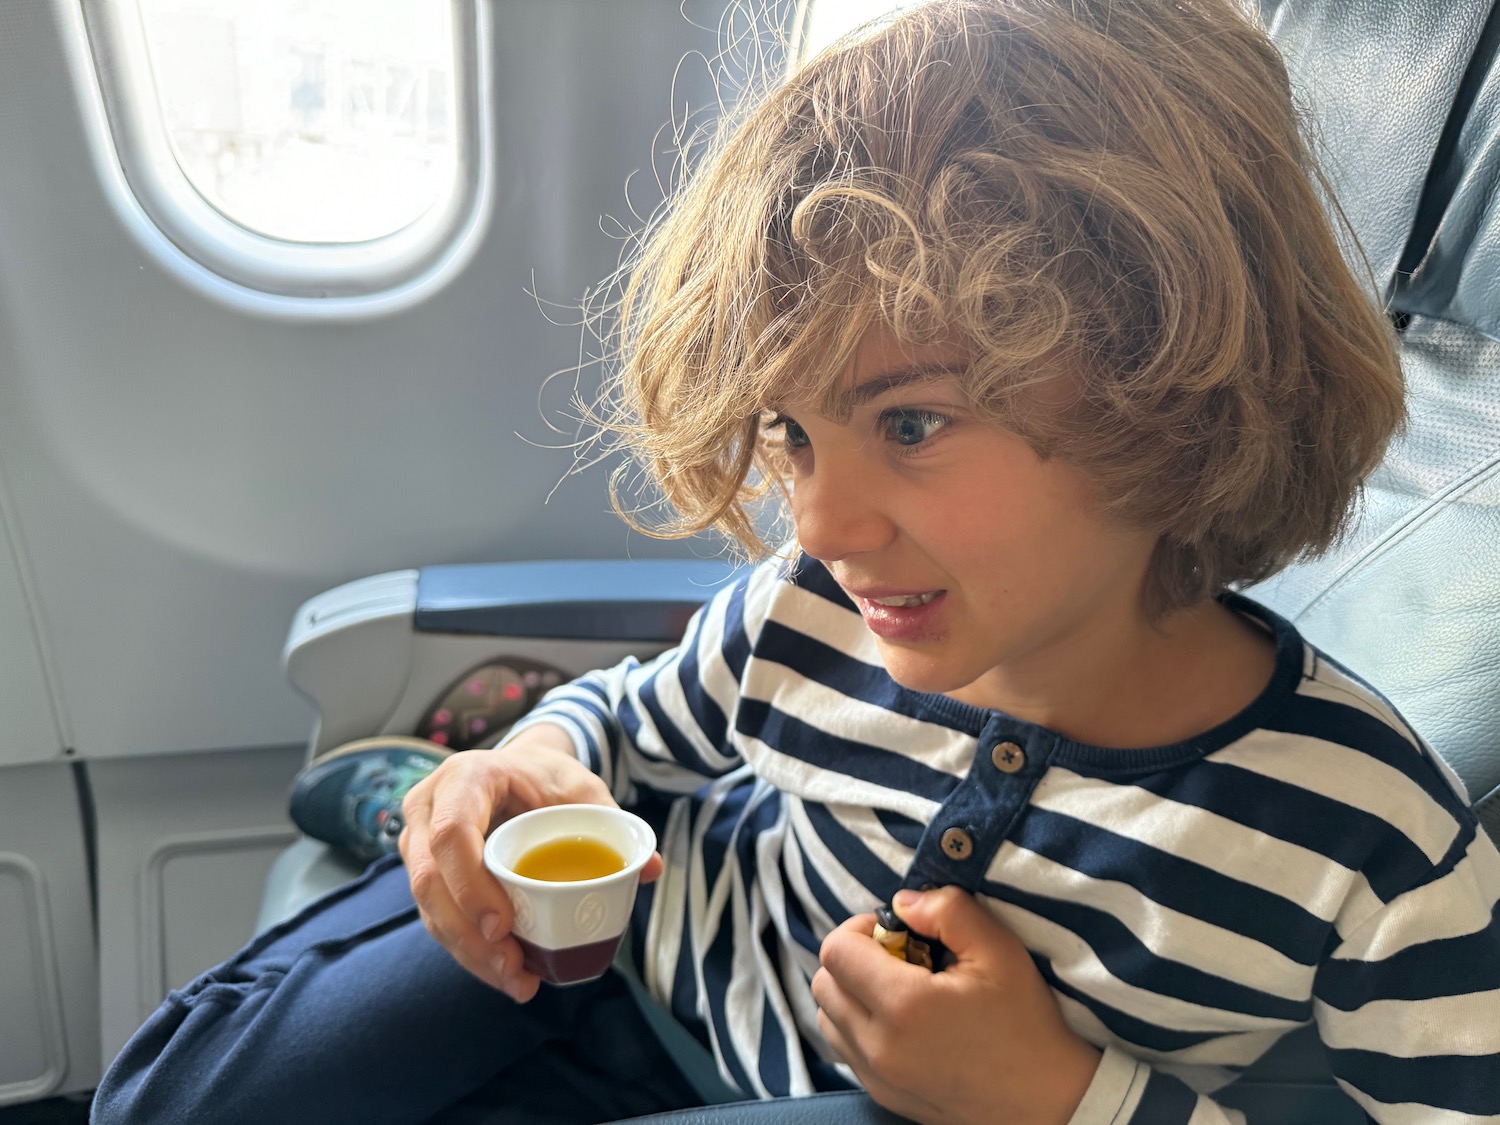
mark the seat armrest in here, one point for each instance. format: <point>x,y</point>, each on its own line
<point>597,599</point>
<point>373,654</point>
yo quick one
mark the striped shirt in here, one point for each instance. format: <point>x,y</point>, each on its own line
<point>1309,860</point>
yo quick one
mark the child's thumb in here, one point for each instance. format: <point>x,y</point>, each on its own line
<point>955,918</point>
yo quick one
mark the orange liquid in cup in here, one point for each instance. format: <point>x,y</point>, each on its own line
<point>569,859</point>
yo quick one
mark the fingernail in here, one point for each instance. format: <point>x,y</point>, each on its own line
<point>497,966</point>
<point>489,926</point>
<point>906,898</point>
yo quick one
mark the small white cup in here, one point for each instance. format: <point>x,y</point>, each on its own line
<point>569,931</point>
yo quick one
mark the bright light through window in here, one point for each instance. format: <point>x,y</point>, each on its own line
<point>828,19</point>
<point>309,120</point>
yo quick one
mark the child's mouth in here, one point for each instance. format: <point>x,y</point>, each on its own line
<point>904,617</point>
<point>906,601</point>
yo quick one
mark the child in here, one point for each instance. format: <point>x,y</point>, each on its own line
<point>1029,311</point>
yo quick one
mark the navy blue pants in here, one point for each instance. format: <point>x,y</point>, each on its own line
<point>351,1012</point>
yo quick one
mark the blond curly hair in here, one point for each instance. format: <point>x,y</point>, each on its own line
<point>1116,193</point>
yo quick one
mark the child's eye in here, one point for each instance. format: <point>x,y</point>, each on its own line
<point>911,427</point>
<point>796,436</point>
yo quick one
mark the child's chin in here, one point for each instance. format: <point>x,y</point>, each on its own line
<point>916,673</point>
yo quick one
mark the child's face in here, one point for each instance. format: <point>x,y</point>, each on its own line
<point>1002,566</point>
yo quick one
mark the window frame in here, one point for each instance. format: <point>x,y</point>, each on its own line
<point>408,262</point>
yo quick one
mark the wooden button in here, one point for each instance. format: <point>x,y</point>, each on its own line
<point>1008,757</point>
<point>958,844</point>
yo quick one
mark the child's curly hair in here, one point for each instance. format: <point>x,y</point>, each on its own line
<point>1114,193</point>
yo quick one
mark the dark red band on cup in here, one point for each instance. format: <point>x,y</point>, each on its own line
<point>573,965</point>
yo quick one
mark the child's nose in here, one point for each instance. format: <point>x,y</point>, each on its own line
<point>839,512</point>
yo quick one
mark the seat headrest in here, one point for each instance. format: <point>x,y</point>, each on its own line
<point>1379,79</point>
<point>1458,278</point>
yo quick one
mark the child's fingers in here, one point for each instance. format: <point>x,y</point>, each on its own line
<point>955,918</point>
<point>462,905</point>
<point>864,969</point>
<point>863,1042</point>
<point>892,1097</point>
<point>845,1010</point>
<point>466,795</point>
<point>842,1043</point>
<point>653,869</point>
<point>523,986</point>
<point>445,922</point>
<point>497,961</point>
<point>844,1022</point>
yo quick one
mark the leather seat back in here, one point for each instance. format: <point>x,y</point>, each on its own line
<point>1411,599</point>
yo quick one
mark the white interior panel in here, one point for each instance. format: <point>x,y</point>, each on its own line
<point>196,905</point>
<point>35,1057</point>
<point>49,982</point>
<point>184,845</point>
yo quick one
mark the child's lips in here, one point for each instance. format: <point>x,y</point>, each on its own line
<point>913,622</point>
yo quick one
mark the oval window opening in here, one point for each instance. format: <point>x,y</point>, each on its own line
<point>316,121</point>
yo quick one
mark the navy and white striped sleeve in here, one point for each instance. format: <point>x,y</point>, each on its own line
<point>666,724</point>
<point>1407,1003</point>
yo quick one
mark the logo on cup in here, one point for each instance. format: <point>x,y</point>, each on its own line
<point>589,915</point>
<point>525,917</point>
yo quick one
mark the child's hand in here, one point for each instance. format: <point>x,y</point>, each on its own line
<point>982,1041</point>
<point>449,814</point>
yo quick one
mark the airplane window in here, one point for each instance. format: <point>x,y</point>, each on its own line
<point>829,19</point>
<point>308,120</point>
<point>307,158</point>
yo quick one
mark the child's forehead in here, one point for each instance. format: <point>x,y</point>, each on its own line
<point>879,361</point>
<point>884,362</point>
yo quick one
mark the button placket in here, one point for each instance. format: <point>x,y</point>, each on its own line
<point>964,835</point>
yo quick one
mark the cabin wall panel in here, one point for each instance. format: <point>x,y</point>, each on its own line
<point>185,842</point>
<point>49,977</point>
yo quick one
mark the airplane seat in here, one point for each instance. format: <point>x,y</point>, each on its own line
<point>1407,102</point>
<point>1408,600</point>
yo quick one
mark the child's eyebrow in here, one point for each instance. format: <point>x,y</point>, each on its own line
<point>877,385</point>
